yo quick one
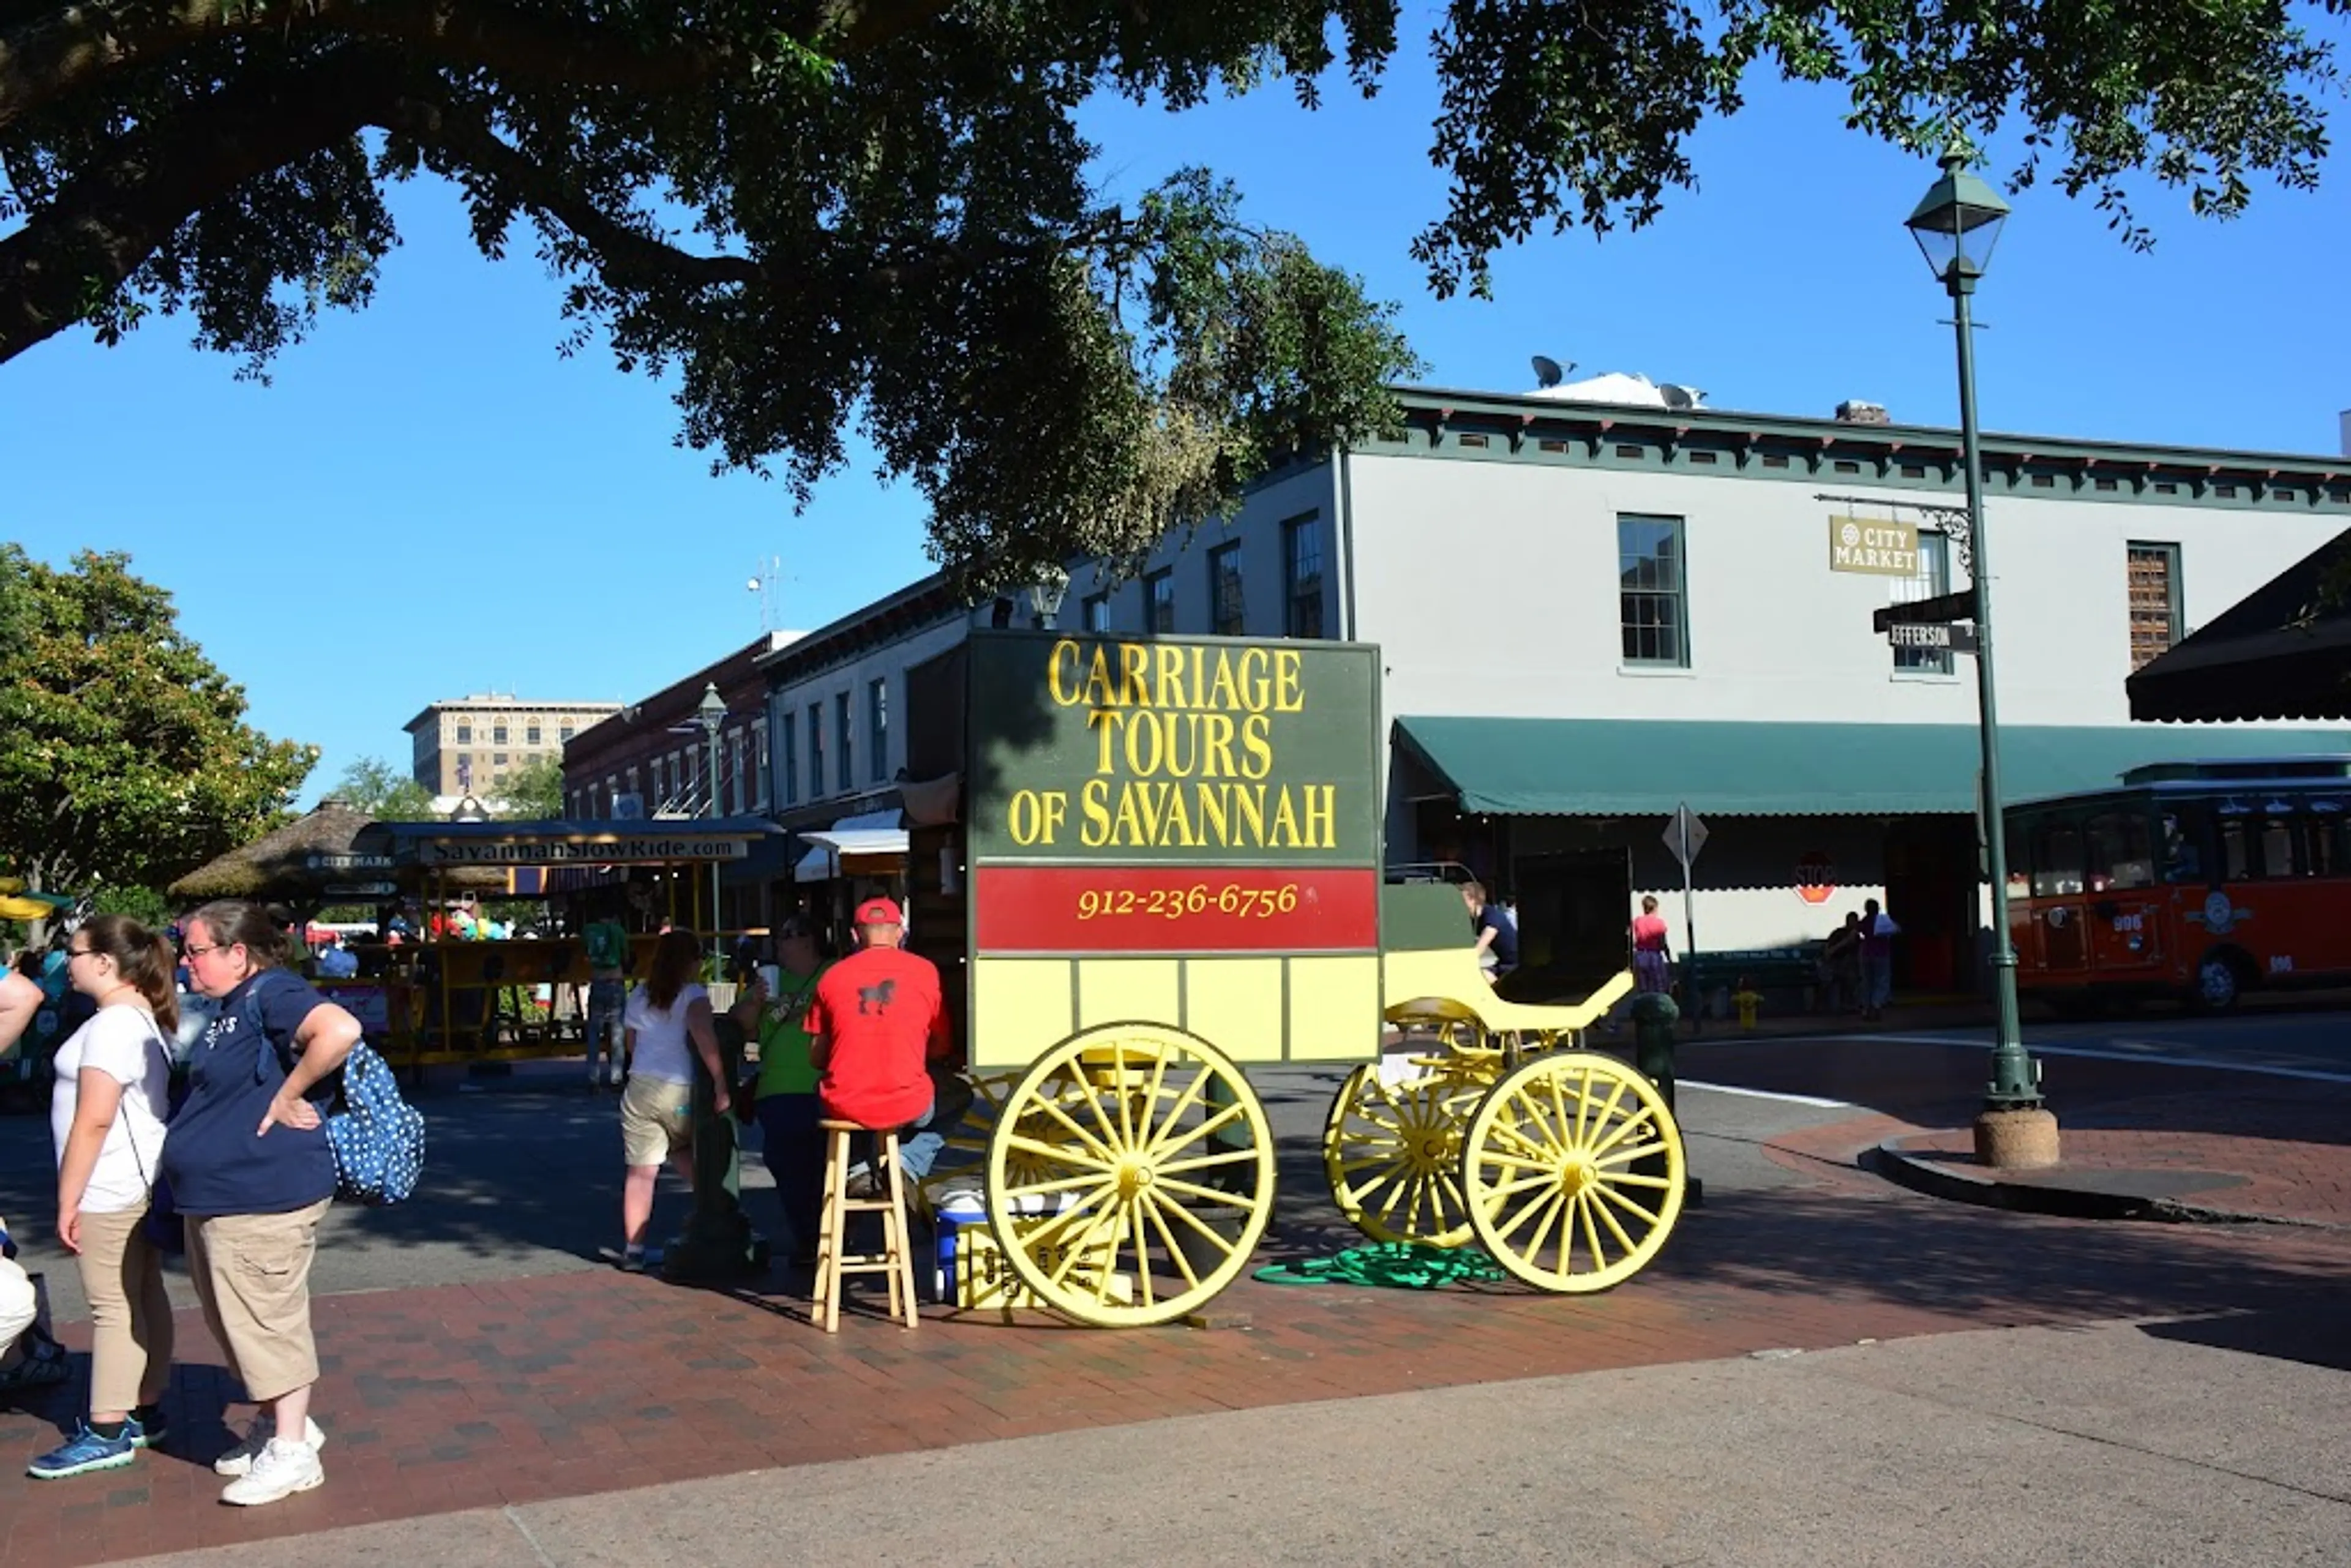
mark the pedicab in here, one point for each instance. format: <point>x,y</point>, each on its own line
<point>1162,866</point>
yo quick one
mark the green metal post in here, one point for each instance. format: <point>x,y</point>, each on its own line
<point>718,1245</point>
<point>2014,1084</point>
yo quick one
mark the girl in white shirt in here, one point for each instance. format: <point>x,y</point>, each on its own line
<point>667,1024</point>
<point>113,1078</point>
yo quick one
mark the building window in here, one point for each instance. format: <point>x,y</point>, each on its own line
<point>760,775</point>
<point>2154,588</point>
<point>1095,612</point>
<point>1159,601</point>
<point>816,750</point>
<point>735,772</point>
<point>1652,590</point>
<point>563,734</point>
<point>464,735</point>
<point>634,791</point>
<point>788,765</point>
<point>1226,614</point>
<point>877,726</point>
<point>1934,579</point>
<point>845,771</point>
<point>530,735</point>
<point>497,735</point>
<point>498,759</point>
<point>1301,577</point>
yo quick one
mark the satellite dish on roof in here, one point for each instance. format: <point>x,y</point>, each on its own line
<point>1550,373</point>
<point>1679,396</point>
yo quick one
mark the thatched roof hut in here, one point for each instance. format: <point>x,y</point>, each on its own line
<point>331,844</point>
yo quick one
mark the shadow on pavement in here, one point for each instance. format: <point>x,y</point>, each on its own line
<point>2315,1338</point>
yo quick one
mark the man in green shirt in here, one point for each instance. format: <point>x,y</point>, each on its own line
<point>771,1011</point>
<point>607,944</point>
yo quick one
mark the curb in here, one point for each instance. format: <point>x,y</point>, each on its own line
<point>1939,1180</point>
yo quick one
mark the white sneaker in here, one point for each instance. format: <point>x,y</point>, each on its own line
<point>239,1461</point>
<point>279,1470</point>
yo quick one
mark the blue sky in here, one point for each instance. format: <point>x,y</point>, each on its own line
<point>429,501</point>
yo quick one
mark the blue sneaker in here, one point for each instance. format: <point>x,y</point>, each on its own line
<point>85,1451</point>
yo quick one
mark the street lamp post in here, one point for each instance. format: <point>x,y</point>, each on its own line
<point>711,714</point>
<point>1957,224</point>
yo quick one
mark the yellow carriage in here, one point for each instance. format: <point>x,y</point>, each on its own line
<point>1163,866</point>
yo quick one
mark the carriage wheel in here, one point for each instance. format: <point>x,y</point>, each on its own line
<point>1573,1167</point>
<point>1130,1175</point>
<point>1393,1156</point>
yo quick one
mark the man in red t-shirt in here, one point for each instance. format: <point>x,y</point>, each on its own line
<point>878,1038</point>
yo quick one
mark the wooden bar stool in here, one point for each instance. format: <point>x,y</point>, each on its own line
<point>896,1259</point>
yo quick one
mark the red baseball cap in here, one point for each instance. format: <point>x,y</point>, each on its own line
<point>880,912</point>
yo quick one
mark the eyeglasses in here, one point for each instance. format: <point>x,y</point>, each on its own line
<point>192,951</point>
<point>73,953</point>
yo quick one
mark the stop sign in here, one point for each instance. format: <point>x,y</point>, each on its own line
<point>1815,877</point>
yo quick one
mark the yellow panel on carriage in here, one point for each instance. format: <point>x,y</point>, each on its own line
<point>1122,990</point>
<point>1028,1006</point>
<point>1230,1000</point>
<point>1328,998</point>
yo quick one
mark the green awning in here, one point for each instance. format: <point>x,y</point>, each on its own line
<point>1630,768</point>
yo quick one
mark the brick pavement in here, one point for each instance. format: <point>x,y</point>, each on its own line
<point>455,1396</point>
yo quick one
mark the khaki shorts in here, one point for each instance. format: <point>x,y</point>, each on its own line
<point>656,1118</point>
<point>252,1273</point>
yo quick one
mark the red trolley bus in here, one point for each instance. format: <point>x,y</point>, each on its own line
<point>2197,879</point>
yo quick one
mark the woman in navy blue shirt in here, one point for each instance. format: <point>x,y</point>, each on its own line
<point>250,1167</point>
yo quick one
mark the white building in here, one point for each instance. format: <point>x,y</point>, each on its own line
<point>1592,612</point>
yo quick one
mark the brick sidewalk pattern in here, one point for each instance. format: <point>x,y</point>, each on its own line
<point>458,1397</point>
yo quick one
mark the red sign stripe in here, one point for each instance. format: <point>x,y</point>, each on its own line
<point>1175,909</point>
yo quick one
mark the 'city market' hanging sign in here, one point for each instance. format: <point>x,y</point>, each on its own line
<point>1879,549</point>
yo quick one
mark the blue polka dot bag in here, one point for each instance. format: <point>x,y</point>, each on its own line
<point>377,1138</point>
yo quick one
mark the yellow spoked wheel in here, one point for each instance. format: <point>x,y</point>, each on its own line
<point>1393,1156</point>
<point>1572,1169</point>
<point>1130,1175</point>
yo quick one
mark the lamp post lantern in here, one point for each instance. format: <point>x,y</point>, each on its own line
<point>711,714</point>
<point>1957,224</point>
<point>1045,596</point>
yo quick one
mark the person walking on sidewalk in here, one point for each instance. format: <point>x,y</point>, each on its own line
<point>668,1024</point>
<point>250,1167</point>
<point>879,1041</point>
<point>607,943</point>
<point>107,1111</point>
<point>786,1092</point>
<point>1877,933</point>
<point>1652,949</point>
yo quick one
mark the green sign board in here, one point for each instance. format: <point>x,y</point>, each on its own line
<point>1096,749</point>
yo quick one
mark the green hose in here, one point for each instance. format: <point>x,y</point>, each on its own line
<point>1390,1265</point>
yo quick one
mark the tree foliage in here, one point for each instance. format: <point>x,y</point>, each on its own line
<point>124,756</point>
<point>816,211</point>
<point>534,792</point>
<point>374,786</point>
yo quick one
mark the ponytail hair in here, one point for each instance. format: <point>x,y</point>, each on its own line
<point>240,922</point>
<point>143,959</point>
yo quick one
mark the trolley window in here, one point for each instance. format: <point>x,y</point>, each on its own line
<point>2121,857</point>
<point>2058,863</point>
<point>2184,829</point>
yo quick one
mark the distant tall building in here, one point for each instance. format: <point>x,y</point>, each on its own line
<point>468,746</point>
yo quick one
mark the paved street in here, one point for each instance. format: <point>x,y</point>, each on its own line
<point>475,1359</point>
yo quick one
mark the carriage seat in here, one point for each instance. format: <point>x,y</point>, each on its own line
<point>1446,985</point>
